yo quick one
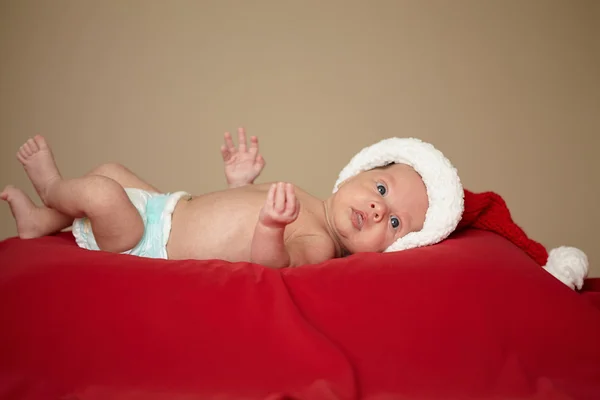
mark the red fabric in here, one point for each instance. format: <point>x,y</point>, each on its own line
<point>472,317</point>
<point>591,291</point>
<point>488,211</point>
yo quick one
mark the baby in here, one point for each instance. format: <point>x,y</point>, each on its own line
<point>381,202</point>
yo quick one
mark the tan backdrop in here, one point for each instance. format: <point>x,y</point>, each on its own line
<point>510,90</point>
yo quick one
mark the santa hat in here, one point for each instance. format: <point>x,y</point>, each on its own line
<point>452,208</point>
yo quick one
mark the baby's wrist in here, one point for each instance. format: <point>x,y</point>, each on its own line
<point>271,228</point>
<point>233,183</point>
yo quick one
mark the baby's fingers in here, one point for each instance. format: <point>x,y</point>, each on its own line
<point>229,142</point>
<point>225,153</point>
<point>242,139</point>
<point>253,145</point>
<point>291,203</point>
<point>260,163</point>
<point>271,196</point>
<point>280,197</point>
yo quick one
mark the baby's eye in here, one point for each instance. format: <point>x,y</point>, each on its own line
<point>382,190</point>
<point>395,222</point>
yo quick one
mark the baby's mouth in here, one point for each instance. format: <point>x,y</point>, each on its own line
<point>358,219</point>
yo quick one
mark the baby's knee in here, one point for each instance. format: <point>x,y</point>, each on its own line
<point>102,195</point>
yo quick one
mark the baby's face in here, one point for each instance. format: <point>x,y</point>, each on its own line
<point>374,208</point>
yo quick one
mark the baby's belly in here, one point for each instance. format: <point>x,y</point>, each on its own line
<point>215,226</point>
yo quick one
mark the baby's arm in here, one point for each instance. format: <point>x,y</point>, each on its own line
<point>281,208</point>
<point>242,165</point>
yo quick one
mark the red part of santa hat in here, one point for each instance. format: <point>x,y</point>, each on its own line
<point>451,207</point>
<point>488,211</point>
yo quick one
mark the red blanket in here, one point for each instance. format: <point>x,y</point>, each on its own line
<point>472,317</point>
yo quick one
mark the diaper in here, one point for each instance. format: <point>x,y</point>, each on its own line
<point>156,210</point>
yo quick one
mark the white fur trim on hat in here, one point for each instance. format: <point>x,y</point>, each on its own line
<point>569,265</point>
<point>444,189</point>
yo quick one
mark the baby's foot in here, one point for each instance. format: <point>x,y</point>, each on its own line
<point>24,211</point>
<point>38,160</point>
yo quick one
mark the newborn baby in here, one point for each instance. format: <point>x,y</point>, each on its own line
<point>276,224</point>
<point>397,194</point>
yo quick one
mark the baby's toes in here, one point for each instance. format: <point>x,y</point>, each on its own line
<point>6,191</point>
<point>40,142</point>
<point>29,147</point>
<point>21,157</point>
<point>33,146</point>
<point>25,150</point>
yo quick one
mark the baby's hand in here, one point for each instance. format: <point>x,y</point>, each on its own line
<point>281,207</point>
<point>242,165</point>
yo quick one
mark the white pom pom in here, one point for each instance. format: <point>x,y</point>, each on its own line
<point>569,265</point>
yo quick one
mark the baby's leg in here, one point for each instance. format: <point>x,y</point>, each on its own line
<point>33,221</point>
<point>116,223</point>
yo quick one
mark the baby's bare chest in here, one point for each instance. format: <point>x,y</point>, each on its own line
<point>221,225</point>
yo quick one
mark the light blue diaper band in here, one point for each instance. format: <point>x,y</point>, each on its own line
<point>156,210</point>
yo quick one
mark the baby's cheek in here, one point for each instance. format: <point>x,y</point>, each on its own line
<point>390,238</point>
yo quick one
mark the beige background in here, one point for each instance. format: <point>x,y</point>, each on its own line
<point>509,90</point>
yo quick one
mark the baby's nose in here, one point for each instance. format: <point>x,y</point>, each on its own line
<point>377,210</point>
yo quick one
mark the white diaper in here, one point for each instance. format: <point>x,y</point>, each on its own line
<point>156,210</point>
